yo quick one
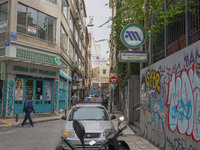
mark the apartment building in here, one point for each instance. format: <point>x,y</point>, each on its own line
<point>43,54</point>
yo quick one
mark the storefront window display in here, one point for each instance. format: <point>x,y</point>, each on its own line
<point>29,89</point>
<point>19,89</point>
<point>47,90</point>
<point>39,90</point>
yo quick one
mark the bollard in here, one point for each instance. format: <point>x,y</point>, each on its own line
<point>16,118</point>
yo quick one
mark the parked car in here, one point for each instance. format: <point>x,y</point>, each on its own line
<point>89,99</point>
<point>96,121</point>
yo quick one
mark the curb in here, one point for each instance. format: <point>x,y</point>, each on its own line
<point>13,123</point>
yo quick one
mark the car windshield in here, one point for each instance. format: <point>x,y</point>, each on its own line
<point>88,113</point>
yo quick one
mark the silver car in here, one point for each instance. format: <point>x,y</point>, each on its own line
<point>96,121</point>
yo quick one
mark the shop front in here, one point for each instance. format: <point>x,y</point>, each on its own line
<point>64,90</point>
<point>38,83</point>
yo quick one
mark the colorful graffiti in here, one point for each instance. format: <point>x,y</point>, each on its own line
<point>184,103</point>
<point>96,90</point>
<point>4,98</point>
<point>153,80</point>
<point>10,96</point>
<point>56,96</point>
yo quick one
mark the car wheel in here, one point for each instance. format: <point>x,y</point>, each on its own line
<point>59,146</point>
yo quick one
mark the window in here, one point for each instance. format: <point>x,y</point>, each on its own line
<point>29,89</point>
<point>71,23</point>
<point>65,8</point>
<point>53,1</point>
<point>51,34</point>
<point>42,25</point>
<point>104,71</point>
<point>63,39</point>
<point>36,23</point>
<point>88,113</point>
<point>3,17</point>
<point>39,89</point>
<point>21,19</point>
<point>32,22</point>
<point>71,50</point>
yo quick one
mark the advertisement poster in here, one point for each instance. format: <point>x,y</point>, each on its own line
<point>47,90</point>
<point>19,89</point>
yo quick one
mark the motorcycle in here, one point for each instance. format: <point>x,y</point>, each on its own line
<point>110,143</point>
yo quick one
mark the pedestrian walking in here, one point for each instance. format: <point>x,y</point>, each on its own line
<point>74,100</point>
<point>28,108</point>
<point>105,101</point>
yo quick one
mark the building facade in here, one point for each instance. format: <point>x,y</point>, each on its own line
<point>41,53</point>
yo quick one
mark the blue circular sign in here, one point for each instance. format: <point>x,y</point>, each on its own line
<point>133,36</point>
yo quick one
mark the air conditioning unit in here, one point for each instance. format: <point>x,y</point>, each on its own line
<point>75,65</point>
<point>82,35</point>
<point>81,6</point>
<point>77,15</point>
<point>79,26</point>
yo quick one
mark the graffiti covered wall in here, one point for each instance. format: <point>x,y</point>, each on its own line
<point>96,90</point>
<point>170,101</point>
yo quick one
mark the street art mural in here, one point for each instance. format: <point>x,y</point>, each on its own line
<point>170,100</point>
<point>10,97</point>
<point>96,90</point>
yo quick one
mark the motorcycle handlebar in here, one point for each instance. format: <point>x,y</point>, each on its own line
<point>116,134</point>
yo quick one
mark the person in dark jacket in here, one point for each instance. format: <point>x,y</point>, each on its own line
<point>105,101</point>
<point>28,108</point>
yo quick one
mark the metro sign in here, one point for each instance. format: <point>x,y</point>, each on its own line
<point>133,36</point>
<point>113,79</point>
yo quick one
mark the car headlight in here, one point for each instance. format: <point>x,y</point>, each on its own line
<point>68,133</point>
<point>107,132</point>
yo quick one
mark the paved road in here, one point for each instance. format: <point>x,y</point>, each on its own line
<point>44,136</point>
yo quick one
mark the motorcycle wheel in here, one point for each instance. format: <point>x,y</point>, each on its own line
<point>124,145</point>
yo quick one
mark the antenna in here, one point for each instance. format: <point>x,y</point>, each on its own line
<point>91,20</point>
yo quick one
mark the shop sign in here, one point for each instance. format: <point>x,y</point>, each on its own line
<point>74,87</point>
<point>32,30</point>
<point>13,36</point>
<point>132,56</point>
<point>3,24</point>
<point>3,71</point>
<point>34,70</point>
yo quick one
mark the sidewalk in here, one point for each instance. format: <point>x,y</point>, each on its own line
<point>135,141</point>
<point>11,122</point>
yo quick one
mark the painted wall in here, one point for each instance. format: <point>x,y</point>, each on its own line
<point>170,100</point>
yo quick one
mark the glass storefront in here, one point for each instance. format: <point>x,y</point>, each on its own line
<point>37,90</point>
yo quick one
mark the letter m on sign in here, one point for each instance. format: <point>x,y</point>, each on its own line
<point>133,35</point>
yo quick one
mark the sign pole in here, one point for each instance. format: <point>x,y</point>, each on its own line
<point>113,100</point>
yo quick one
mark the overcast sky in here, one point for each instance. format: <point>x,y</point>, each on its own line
<point>100,11</point>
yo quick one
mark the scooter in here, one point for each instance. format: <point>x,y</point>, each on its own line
<point>110,143</point>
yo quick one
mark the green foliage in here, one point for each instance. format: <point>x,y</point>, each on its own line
<point>141,12</point>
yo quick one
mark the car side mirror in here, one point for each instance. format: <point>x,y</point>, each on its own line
<point>113,117</point>
<point>120,120</point>
<point>64,118</point>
